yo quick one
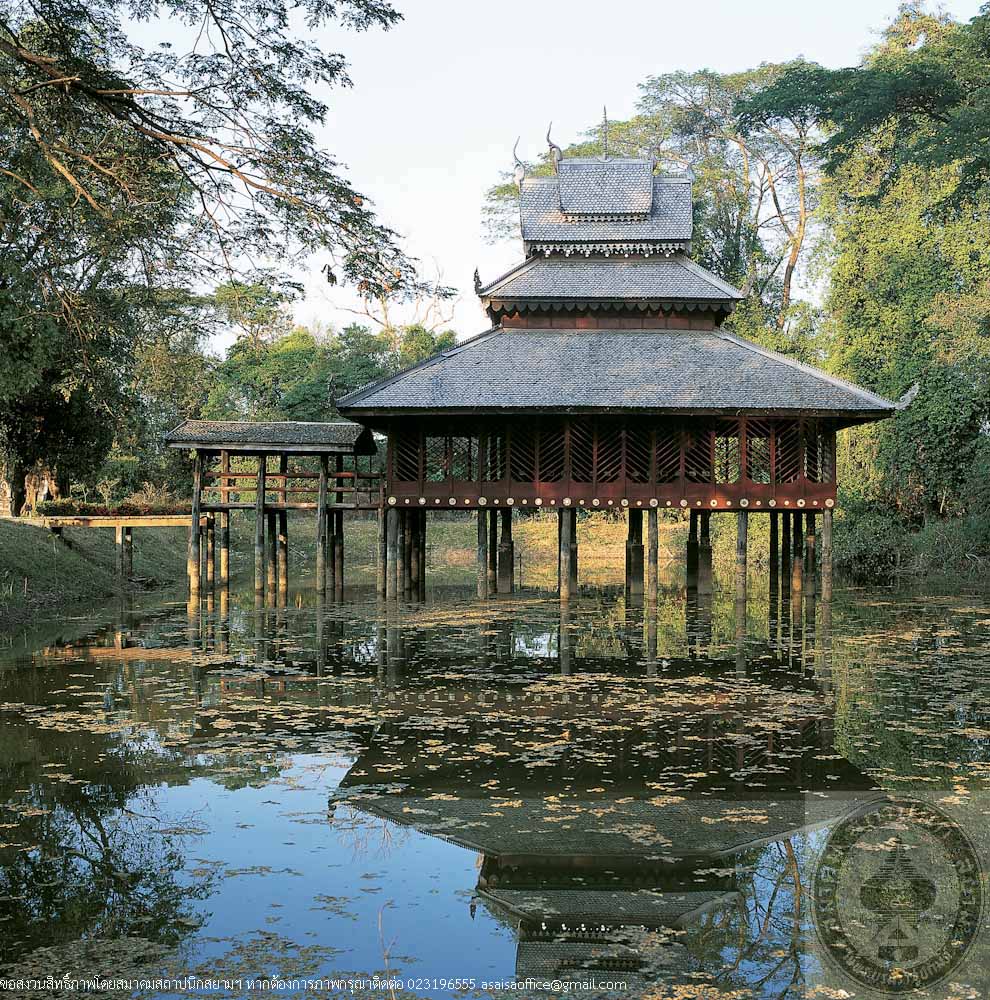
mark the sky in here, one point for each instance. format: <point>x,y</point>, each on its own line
<point>439,100</point>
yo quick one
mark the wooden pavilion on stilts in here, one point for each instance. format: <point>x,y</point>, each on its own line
<point>272,468</point>
<point>607,382</point>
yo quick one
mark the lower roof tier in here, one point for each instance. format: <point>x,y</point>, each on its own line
<point>514,370</point>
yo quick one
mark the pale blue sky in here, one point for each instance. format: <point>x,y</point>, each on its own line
<point>438,101</point>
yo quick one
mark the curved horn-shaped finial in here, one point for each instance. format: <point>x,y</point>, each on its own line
<point>520,170</point>
<point>556,153</point>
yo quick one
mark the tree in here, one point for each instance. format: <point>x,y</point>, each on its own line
<point>129,172</point>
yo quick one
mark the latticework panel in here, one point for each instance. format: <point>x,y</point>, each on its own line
<point>818,452</point>
<point>551,454</point>
<point>405,457</point>
<point>609,465</point>
<point>582,451</point>
<point>728,464</point>
<point>668,453</point>
<point>639,444</point>
<point>698,454</point>
<point>522,454</point>
<point>463,458</point>
<point>435,458</point>
<point>758,450</point>
<point>787,443</point>
<point>493,457</point>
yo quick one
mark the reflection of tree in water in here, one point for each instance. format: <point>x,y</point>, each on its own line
<point>758,940</point>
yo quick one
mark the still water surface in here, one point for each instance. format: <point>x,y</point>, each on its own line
<point>491,792</point>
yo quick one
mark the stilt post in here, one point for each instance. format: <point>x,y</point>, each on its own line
<point>492,551</point>
<point>321,527</point>
<point>810,560</point>
<point>565,514</point>
<point>224,549</point>
<point>211,549</point>
<point>574,552</point>
<point>506,554</point>
<point>381,562</point>
<point>785,553</point>
<point>797,555</point>
<point>414,557</point>
<point>742,533</point>
<point>338,533</point>
<point>482,553</point>
<point>652,552</point>
<point>692,551</point>
<point>282,553</point>
<point>401,573</point>
<point>827,555</point>
<point>192,557</point>
<point>774,553</point>
<point>259,528</point>
<point>271,542</point>
<point>422,555</point>
<point>128,552</point>
<point>705,583</point>
<point>634,552</point>
<point>392,551</point>
<point>118,555</point>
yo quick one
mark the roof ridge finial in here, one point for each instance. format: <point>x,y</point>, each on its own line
<point>520,170</point>
<point>556,153</point>
<point>604,132</point>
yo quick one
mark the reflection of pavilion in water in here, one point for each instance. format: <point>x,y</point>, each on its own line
<point>601,820</point>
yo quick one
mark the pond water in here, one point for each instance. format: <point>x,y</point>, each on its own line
<point>500,798</point>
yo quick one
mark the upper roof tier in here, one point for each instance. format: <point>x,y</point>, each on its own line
<point>605,201</point>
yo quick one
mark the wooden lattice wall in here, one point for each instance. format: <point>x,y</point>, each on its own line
<point>603,461</point>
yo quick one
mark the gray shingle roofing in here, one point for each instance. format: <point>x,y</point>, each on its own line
<point>605,187</point>
<point>241,434</point>
<point>654,278</point>
<point>542,220</point>
<point>657,370</point>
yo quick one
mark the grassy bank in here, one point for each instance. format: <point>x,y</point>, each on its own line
<point>41,575</point>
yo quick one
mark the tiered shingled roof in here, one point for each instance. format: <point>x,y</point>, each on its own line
<point>606,245</point>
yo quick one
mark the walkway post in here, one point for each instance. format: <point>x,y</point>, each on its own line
<point>785,554</point>
<point>422,555</point>
<point>338,530</point>
<point>381,561</point>
<point>321,528</point>
<point>574,552</point>
<point>392,555</point>
<point>797,556</point>
<point>283,533</point>
<point>192,557</point>
<point>118,554</point>
<point>414,556</point>
<point>224,520</point>
<point>211,549</point>
<point>259,529</point>
<point>742,532</point>
<point>128,552</point>
<point>652,551</point>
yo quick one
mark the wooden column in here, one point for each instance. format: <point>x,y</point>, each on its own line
<point>118,555</point>
<point>704,552</point>
<point>321,528</point>
<point>652,574</point>
<point>400,547</point>
<point>492,551</point>
<point>282,553</point>
<point>414,556</point>
<point>692,551</point>
<point>283,556</point>
<point>742,533</point>
<point>211,549</point>
<point>574,551</point>
<point>826,555</point>
<point>506,554</point>
<point>797,555</point>
<point>810,565</point>
<point>224,549</point>
<point>392,567</point>
<point>785,553</point>
<point>381,562</point>
<point>259,529</point>
<point>338,533</point>
<point>422,555</point>
<point>634,552</point>
<point>482,553</point>
<point>271,556</point>
<point>774,553</point>
<point>564,535</point>
<point>128,553</point>
<point>192,556</point>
